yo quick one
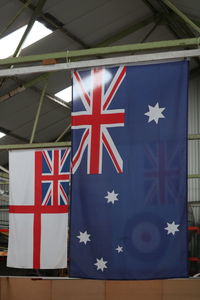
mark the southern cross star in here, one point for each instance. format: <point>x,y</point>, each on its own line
<point>101,264</point>
<point>84,237</point>
<point>172,228</point>
<point>155,113</point>
<point>119,249</point>
<point>112,197</point>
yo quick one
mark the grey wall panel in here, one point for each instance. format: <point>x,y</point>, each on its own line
<point>194,148</point>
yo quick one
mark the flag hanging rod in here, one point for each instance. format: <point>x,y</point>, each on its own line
<point>35,145</point>
<point>61,144</point>
<point>78,54</point>
<point>132,59</point>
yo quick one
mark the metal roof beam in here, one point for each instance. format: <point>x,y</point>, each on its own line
<point>63,133</point>
<point>119,60</point>
<point>19,12</point>
<point>30,84</point>
<point>188,21</point>
<point>35,145</point>
<point>51,22</point>
<point>4,169</point>
<point>22,87</point>
<point>122,49</point>
<point>150,6</point>
<point>132,28</point>
<point>165,16</point>
<point>35,14</point>
<point>177,18</point>
<point>174,19</point>
<point>152,29</point>
<point>175,27</point>
<point>16,136</point>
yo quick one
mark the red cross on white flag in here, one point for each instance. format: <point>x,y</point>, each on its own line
<point>39,181</point>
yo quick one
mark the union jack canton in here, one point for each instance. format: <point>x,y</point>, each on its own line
<point>55,177</point>
<point>96,118</point>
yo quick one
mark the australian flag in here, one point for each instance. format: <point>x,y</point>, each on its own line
<point>129,172</point>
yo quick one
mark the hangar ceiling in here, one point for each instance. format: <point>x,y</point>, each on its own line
<point>76,25</point>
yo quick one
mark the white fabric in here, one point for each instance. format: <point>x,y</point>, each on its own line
<point>21,174</point>
<point>20,247</point>
<point>53,251</point>
<point>57,250</point>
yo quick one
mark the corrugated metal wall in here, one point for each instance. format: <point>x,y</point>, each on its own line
<point>4,199</point>
<point>194,149</point>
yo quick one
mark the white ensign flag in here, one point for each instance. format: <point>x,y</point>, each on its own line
<point>38,211</point>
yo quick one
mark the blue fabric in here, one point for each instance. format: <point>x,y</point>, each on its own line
<point>151,191</point>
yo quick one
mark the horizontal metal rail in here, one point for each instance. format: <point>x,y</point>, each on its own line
<point>131,59</point>
<point>35,145</point>
<point>122,49</point>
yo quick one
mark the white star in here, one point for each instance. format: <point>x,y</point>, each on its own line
<point>112,197</point>
<point>155,113</point>
<point>84,237</point>
<point>119,249</point>
<point>172,228</point>
<point>101,264</point>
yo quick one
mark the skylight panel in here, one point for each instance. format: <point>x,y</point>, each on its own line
<point>2,134</point>
<point>38,32</point>
<point>9,43</point>
<point>65,95</point>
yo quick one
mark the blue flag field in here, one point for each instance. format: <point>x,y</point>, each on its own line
<point>128,217</point>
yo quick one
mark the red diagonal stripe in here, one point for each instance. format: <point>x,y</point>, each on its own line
<point>76,74</point>
<point>115,87</point>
